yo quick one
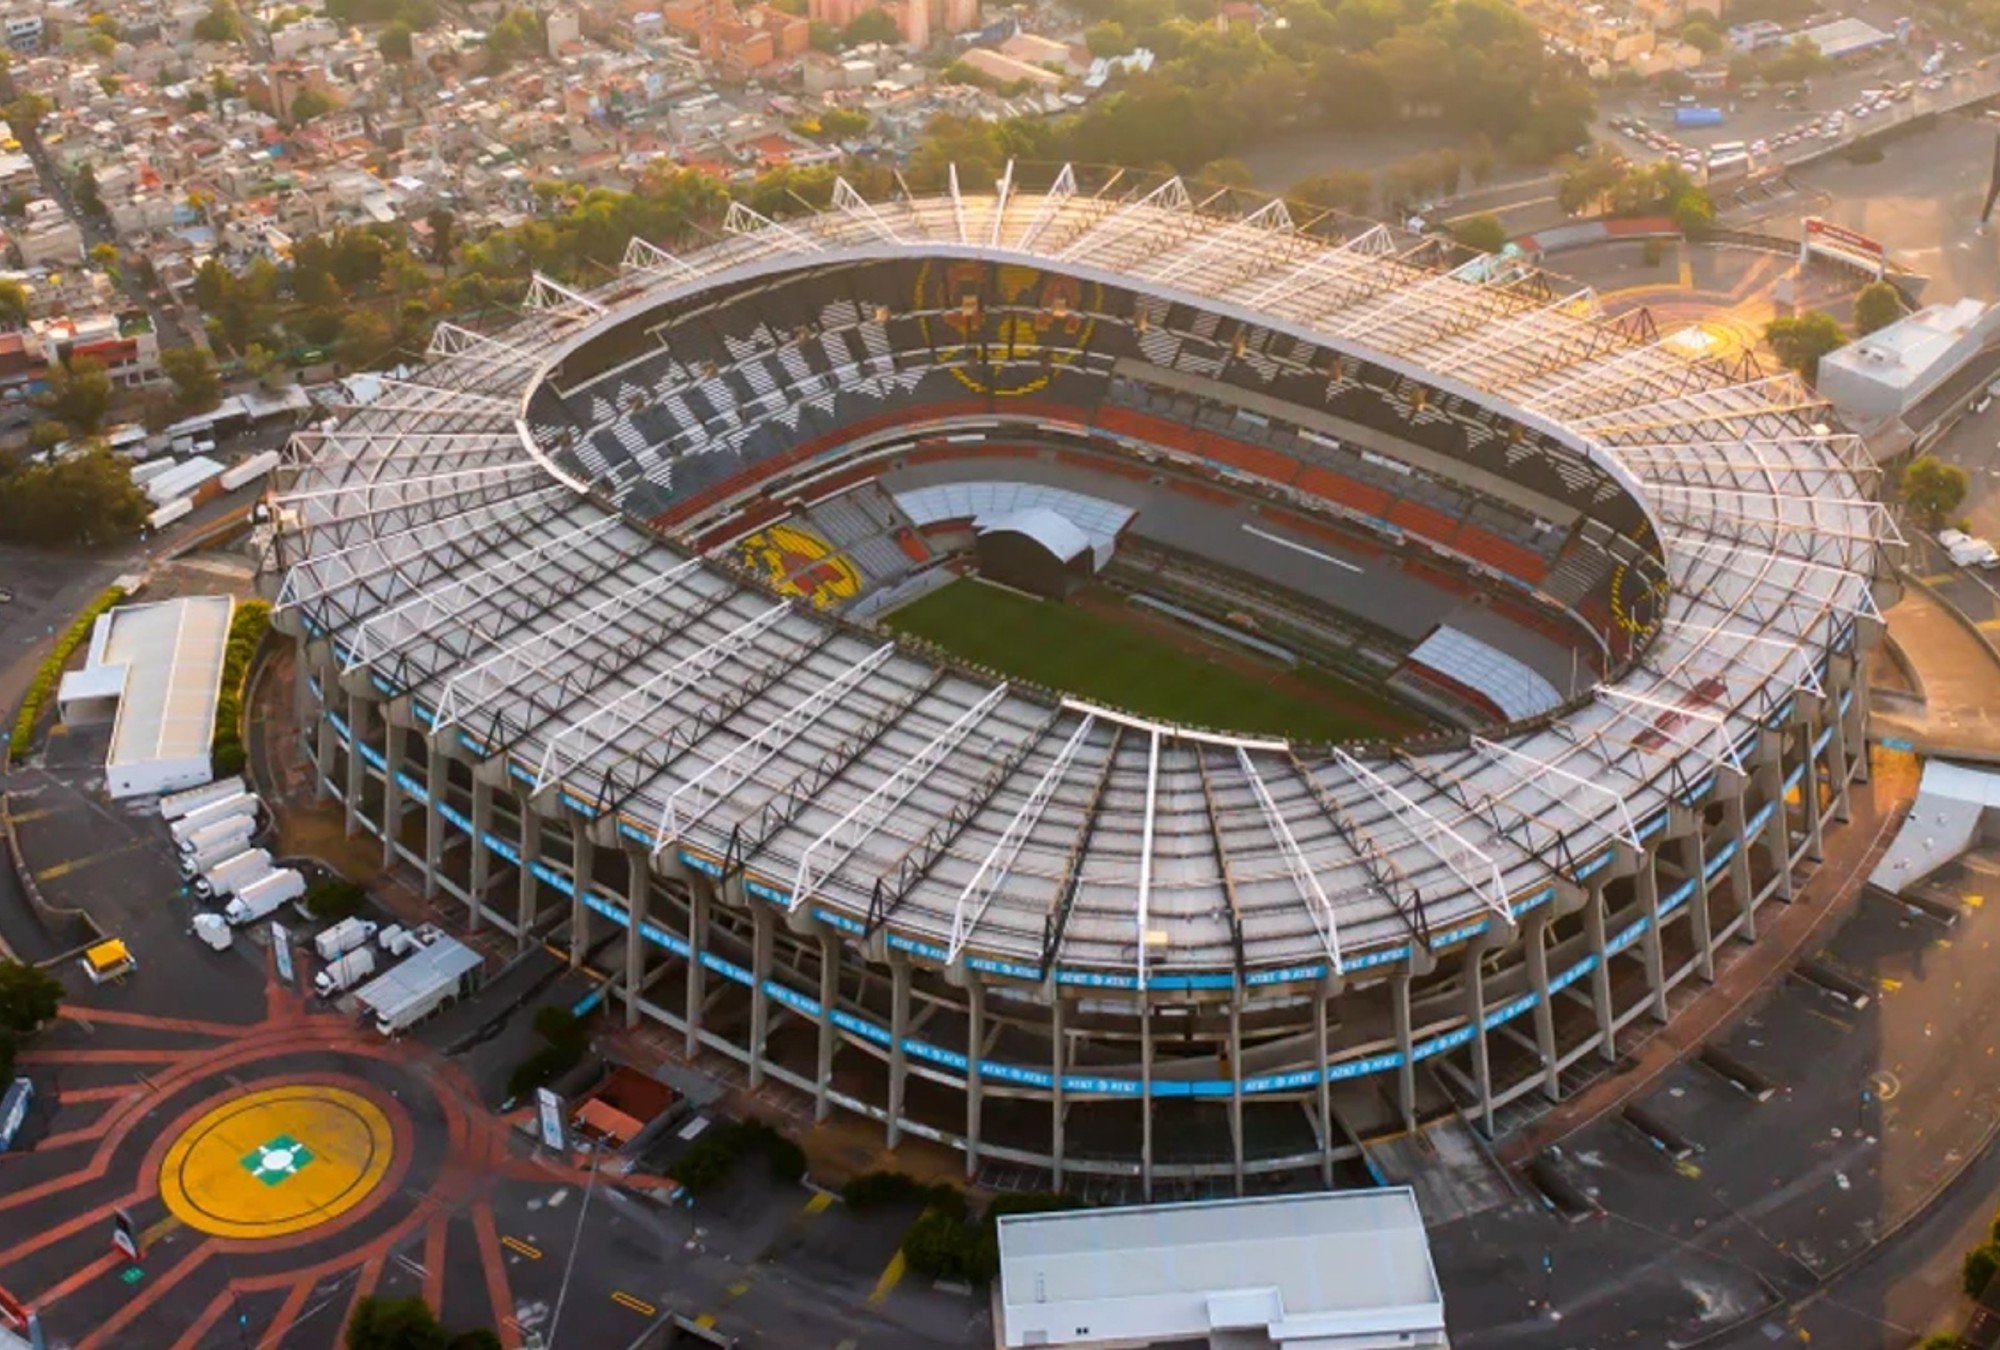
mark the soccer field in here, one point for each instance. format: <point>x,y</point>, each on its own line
<point>1082,652</point>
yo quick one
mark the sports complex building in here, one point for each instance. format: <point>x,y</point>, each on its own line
<point>597,616</point>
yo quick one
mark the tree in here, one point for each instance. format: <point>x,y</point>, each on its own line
<point>1348,190</point>
<point>82,499</point>
<point>1978,1269</point>
<point>1693,212</point>
<point>28,997</point>
<point>79,395</point>
<point>307,104</point>
<point>197,102</point>
<point>197,383</point>
<point>333,898</point>
<point>110,84</point>
<point>1226,173</point>
<point>104,255</point>
<point>395,42</point>
<point>1585,182</point>
<point>875,25</point>
<point>1483,232</point>
<point>519,33</point>
<point>395,1324</point>
<point>822,37</point>
<point>87,199</point>
<point>263,365</point>
<point>13,303</point>
<point>1876,306</point>
<point>220,24</point>
<point>1703,36</point>
<point>1107,39</point>
<point>1932,489</point>
<point>1801,341</point>
<point>444,234</point>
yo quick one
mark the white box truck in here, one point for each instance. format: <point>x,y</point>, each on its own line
<point>443,970</point>
<point>346,972</point>
<point>206,860</point>
<point>177,804</point>
<point>262,898</point>
<point>209,838</point>
<point>234,875</point>
<point>242,804</point>
<point>343,937</point>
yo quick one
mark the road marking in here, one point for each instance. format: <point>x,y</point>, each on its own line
<point>515,1244</point>
<point>637,1305</point>
<point>63,869</point>
<point>1283,542</point>
<point>1687,271</point>
<point>1687,1169</point>
<point>819,1202</point>
<point>892,1275</point>
<point>1829,1017</point>
<point>739,1289</point>
<point>415,1268</point>
<point>159,1230</point>
<point>705,1321</point>
<point>1974,901</point>
<point>1889,986</point>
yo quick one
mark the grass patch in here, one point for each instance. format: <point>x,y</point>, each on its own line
<point>1078,652</point>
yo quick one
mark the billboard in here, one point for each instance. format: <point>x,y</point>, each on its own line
<point>1837,242</point>
<point>550,1107</point>
<point>13,1110</point>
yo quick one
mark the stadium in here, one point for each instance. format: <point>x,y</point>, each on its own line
<point>1122,688</point>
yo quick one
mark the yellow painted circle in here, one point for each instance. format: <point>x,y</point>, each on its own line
<point>276,1162</point>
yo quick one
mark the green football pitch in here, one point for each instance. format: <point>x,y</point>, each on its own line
<point>1127,665</point>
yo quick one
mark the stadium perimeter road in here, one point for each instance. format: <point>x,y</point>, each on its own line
<point>1877,1107</point>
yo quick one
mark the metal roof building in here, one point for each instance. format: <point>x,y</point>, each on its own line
<point>525,679</point>
<point>1345,1270</point>
<point>156,671</point>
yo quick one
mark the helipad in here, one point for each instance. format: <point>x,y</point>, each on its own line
<point>276,1162</point>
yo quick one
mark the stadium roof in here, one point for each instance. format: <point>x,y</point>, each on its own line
<point>445,555</point>
<point>1321,1271</point>
<point>1063,539</point>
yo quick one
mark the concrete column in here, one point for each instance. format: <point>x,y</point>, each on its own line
<point>761,921</point>
<point>1406,1067</point>
<point>1534,941</point>
<point>975,1080</point>
<point>1739,866</point>
<point>1322,1089</point>
<point>1694,859</point>
<point>1236,1089</point>
<point>1857,724</point>
<point>1600,973</point>
<point>434,778</point>
<point>1777,832</point>
<point>357,769</point>
<point>638,891</point>
<point>697,973</point>
<point>829,997</point>
<point>1653,949</point>
<point>323,775</point>
<point>527,892</point>
<point>1836,755</point>
<point>1808,732</point>
<point>1475,1017</point>
<point>482,857</point>
<point>1057,1060</point>
<point>1145,1098</point>
<point>394,740</point>
<point>899,1027</point>
<point>302,697</point>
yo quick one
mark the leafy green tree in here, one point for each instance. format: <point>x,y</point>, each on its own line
<point>197,101</point>
<point>1483,232</point>
<point>395,1324</point>
<point>1976,1272</point>
<point>1933,489</point>
<point>79,395</point>
<point>1349,190</point>
<point>28,997</point>
<point>519,33</point>
<point>1876,306</point>
<point>197,383</point>
<point>823,37</point>
<point>395,43</point>
<point>13,303</point>
<point>875,25</point>
<point>307,104</point>
<point>221,24</point>
<point>1107,39</point>
<point>86,498</point>
<point>1693,212</point>
<point>444,233</point>
<point>1703,36</point>
<point>87,199</point>
<point>1801,341</point>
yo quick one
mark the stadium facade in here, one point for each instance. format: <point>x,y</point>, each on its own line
<point>575,609</point>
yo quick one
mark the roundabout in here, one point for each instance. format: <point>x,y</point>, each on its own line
<point>277,1162</point>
